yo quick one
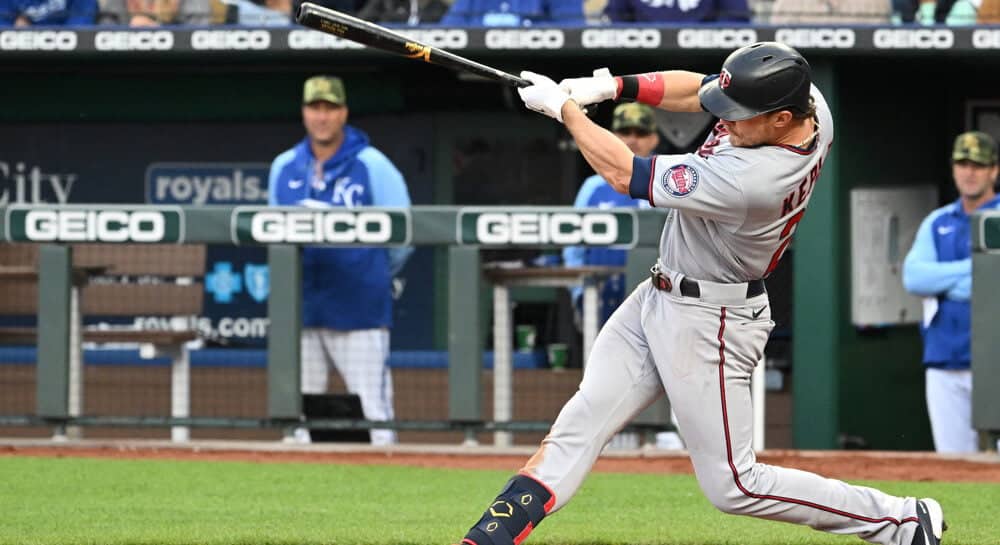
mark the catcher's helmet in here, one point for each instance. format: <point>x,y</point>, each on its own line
<point>756,79</point>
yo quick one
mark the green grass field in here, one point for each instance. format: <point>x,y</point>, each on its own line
<point>54,501</point>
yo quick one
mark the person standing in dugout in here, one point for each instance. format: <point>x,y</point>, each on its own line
<point>698,327</point>
<point>347,292</point>
<point>939,268</point>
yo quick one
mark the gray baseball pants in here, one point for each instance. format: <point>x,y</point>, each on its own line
<point>702,351</point>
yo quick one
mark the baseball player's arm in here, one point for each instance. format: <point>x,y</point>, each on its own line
<point>389,190</point>
<point>962,290</point>
<point>272,186</point>
<point>923,274</point>
<point>274,179</point>
<point>604,151</point>
<point>677,89</point>
<point>673,90</point>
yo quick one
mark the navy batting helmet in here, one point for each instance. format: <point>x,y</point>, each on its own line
<point>757,79</point>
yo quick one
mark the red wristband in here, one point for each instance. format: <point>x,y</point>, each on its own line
<point>650,88</point>
<point>645,88</point>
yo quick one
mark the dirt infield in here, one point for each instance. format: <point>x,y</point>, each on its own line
<point>837,464</point>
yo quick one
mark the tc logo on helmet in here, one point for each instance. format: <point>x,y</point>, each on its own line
<point>725,78</point>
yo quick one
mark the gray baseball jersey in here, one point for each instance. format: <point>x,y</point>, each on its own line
<point>735,209</point>
<point>734,213</point>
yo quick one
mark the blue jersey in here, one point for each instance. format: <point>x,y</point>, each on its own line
<point>514,13</point>
<point>49,12</point>
<point>343,288</point>
<point>940,265</point>
<point>597,193</point>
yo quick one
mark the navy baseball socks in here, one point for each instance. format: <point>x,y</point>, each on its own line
<point>932,523</point>
<point>521,505</point>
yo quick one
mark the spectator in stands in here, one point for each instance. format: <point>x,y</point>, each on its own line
<point>263,12</point>
<point>347,309</point>
<point>628,11</point>
<point>24,13</point>
<point>988,12</point>
<point>408,12</point>
<point>823,12</point>
<point>939,268</point>
<point>949,12</point>
<point>152,13</point>
<point>634,124</point>
<point>514,13</point>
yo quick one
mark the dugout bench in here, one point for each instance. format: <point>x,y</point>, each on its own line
<point>103,280</point>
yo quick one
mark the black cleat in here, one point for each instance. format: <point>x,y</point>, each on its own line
<point>932,523</point>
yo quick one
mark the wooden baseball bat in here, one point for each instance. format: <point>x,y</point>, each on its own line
<point>363,32</point>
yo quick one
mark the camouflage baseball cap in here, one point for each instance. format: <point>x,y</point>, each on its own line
<point>327,88</point>
<point>975,146</point>
<point>633,115</point>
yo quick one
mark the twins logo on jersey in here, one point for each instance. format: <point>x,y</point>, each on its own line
<point>680,180</point>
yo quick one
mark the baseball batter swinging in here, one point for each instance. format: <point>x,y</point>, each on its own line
<point>698,327</point>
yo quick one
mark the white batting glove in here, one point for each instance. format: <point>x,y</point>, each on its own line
<point>598,88</point>
<point>543,96</point>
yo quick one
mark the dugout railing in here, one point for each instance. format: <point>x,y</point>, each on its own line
<point>465,231</point>
<point>985,343</point>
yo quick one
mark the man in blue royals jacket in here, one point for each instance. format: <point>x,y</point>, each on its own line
<point>347,308</point>
<point>47,12</point>
<point>635,124</point>
<point>939,267</point>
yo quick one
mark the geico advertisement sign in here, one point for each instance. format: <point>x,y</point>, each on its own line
<point>38,40</point>
<point>559,228</point>
<point>125,40</point>
<point>96,225</point>
<point>334,227</point>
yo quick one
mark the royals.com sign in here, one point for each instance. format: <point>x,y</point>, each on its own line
<point>95,224</point>
<point>207,183</point>
<point>336,227</point>
<point>616,228</point>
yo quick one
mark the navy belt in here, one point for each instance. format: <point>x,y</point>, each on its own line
<point>690,288</point>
